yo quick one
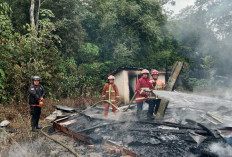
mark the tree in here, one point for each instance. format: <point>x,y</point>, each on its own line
<point>206,30</point>
<point>68,28</point>
<point>128,33</point>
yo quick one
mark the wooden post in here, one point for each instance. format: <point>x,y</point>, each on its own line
<point>177,67</point>
<point>174,75</point>
<point>162,108</point>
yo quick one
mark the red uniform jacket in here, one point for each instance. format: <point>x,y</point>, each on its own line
<point>141,85</point>
<point>110,93</point>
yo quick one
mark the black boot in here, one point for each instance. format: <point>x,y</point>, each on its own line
<point>38,127</point>
<point>34,129</point>
<point>37,123</point>
<point>150,117</point>
<point>33,123</point>
<point>138,117</point>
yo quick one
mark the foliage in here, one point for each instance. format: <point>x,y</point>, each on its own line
<point>88,53</point>
<point>78,43</point>
<point>128,33</point>
<point>199,83</point>
<point>204,31</point>
<point>2,77</point>
<point>28,55</point>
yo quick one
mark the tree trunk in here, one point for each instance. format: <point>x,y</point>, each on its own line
<point>37,17</point>
<point>32,8</point>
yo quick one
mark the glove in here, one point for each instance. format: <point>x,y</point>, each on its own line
<point>152,81</point>
<point>147,93</point>
<point>103,98</point>
<point>41,103</point>
<point>144,93</point>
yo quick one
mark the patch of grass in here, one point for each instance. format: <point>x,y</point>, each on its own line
<point>20,123</point>
<point>20,118</point>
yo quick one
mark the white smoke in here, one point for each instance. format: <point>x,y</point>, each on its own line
<point>207,26</point>
<point>192,106</point>
<point>32,149</point>
<point>221,150</point>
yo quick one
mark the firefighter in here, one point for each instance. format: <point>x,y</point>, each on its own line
<point>156,85</point>
<point>36,97</point>
<point>142,95</point>
<point>111,94</point>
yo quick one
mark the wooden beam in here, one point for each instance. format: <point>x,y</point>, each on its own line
<point>174,75</point>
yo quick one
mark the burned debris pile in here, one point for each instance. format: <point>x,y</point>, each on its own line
<point>139,138</point>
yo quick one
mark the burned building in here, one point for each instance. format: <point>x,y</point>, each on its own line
<point>126,78</point>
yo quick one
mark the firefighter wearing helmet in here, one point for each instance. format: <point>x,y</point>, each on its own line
<point>110,93</point>
<point>156,85</point>
<point>36,97</point>
<point>143,86</point>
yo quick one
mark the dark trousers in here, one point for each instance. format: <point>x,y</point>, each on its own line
<point>35,115</point>
<point>157,104</point>
<point>150,108</point>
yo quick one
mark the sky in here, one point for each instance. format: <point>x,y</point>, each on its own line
<point>180,4</point>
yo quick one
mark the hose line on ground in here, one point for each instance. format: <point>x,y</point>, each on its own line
<point>65,146</point>
<point>100,102</point>
<point>62,144</point>
<point>111,104</point>
<point>130,102</point>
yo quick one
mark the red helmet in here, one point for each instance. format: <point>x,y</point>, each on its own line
<point>111,77</point>
<point>144,71</point>
<point>155,72</point>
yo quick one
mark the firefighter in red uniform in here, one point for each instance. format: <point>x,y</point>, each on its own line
<point>143,95</point>
<point>111,94</point>
<point>156,85</point>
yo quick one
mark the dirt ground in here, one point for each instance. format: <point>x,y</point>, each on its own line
<point>42,146</point>
<point>18,140</point>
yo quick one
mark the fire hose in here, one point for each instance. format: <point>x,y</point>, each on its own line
<point>62,144</point>
<point>130,102</point>
<point>112,104</point>
<point>65,146</point>
<point>100,102</point>
<point>133,99</point>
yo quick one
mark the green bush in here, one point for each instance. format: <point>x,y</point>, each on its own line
<point>199,83</point>
<point>2,87</point>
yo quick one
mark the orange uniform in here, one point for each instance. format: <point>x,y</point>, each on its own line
<point>158,85</point>
<point>111,94</point>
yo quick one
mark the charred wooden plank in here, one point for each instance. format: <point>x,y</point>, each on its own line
<point>169,124</point>
<point>72,133</point>
<point>215,134</point>
<point>174,75</point>
<point>168,131</point>
<point>100,126</point>
<point>162,108</point>
<point>124,150</point>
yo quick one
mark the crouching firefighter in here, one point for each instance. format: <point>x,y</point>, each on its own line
<point>143,94</point>
<point>156,85</point>
<point>110,93</point>
<point>36,98</point>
